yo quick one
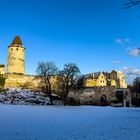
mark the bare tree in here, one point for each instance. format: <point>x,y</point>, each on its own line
<point>67,79</point>
<point>136,89</point>
<point>46,70</point>
<point>79,82</point>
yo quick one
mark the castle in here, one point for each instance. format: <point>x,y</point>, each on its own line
<point>105,79</point>
<point>14,72</point>
<point>16,58</point>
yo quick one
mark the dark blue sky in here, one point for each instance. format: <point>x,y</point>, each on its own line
<point>96,34</point>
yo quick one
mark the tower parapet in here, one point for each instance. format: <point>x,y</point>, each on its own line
<point>16,57</point>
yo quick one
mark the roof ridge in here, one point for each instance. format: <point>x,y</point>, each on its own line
<point>16,40</point>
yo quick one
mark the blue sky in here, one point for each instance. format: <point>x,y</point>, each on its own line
<point>96,34</point>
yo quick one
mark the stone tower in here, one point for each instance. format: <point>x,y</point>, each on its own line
<point>16,57</point>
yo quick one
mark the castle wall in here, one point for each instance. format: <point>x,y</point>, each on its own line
<point>90,83</point>
<point>96,82</point>
<point>20,80</point>
<point>101,81</point>
<point>113,83</point>
<point>2,70</point>
<point>119,79</point>
<point>27,81</point>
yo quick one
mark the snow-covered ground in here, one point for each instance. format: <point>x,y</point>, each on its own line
<point>68,123</point>
<point>19,96</point>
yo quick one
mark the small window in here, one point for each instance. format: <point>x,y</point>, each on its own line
<point>11,48</point>
<point>17,49</point>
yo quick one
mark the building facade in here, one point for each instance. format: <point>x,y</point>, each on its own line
<point>105,79</point>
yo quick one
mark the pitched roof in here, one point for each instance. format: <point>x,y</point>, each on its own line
<point>16,40</point>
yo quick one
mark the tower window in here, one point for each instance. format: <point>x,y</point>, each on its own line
<point>17,49</point>
<point>11,48</point>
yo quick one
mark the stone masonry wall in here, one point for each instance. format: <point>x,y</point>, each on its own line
<point>25,81</point>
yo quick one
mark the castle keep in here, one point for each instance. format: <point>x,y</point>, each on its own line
<point>16,57</point>
<point>14,73</point>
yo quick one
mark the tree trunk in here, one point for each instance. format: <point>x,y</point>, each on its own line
<point>50,91</point>
<point>51,99</point>
<point>65,98</point>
